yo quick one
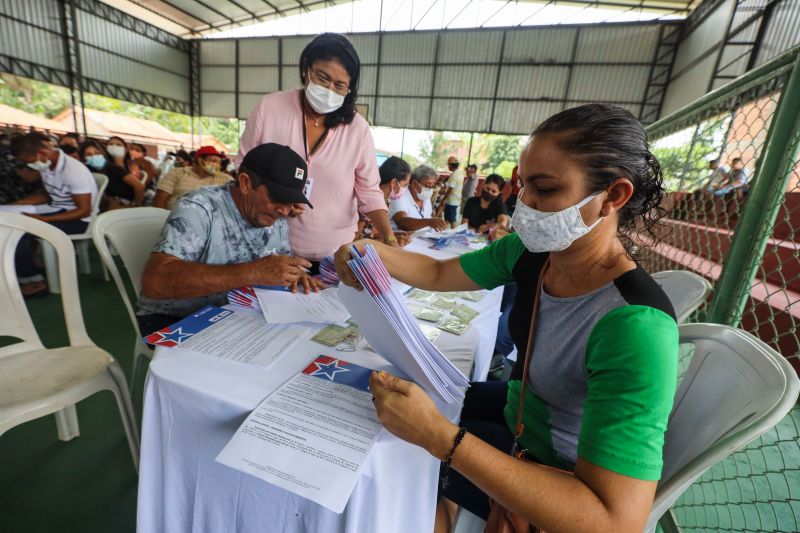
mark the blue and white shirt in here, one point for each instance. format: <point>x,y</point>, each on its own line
<point>206,227</point>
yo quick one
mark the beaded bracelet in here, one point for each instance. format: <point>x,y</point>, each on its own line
<point>446,463</point>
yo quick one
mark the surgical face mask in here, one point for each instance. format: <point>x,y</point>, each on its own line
<point>211,168</point>
<point>115,150</point>
<point>97,162</point>
<point>323,100</point>
<point>397,195</point>
<point>39,166</point>
<point>486,195</point>
<point>426,194</point>
<point>542,231</point>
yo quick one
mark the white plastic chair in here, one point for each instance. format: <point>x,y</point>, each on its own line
<point>686,290</point>
<point>132,233</point>
<point>80,240</point>
<point>36,381</point>
<point>734,390</point>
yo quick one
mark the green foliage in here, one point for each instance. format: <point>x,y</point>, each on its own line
<point>685,165</point>
<point>50,100</point>
<point>492,153</point>
<point>504,151</point>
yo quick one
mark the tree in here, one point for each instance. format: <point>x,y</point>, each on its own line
<point>504,151</point>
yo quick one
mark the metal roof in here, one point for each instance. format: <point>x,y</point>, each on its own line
<point>195,18</point>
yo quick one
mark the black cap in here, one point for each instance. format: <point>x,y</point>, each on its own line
<point>281,169</point>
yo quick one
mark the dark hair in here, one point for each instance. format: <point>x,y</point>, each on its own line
<point>139,147</point>
<point>94,144</point>
<point>497,179</point>
<point>68,149</point>
<point>183,154</point>
<point>29,143</point>
<point>256,180</point>
<point>71,135</point>
<point>127,159</point>
<point>393,168</point>
<point>736,160</point>
<point>473,166</point>
<point>325,47</point>
<point>611,143</point>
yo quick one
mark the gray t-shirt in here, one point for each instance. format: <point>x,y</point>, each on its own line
<point>206,227</point>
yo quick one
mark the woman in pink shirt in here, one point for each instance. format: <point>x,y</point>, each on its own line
<point>320,123</point>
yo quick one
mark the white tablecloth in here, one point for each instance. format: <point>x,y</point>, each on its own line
<point>193,405</point>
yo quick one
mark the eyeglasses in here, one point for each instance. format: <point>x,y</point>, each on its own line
<point>320,78</point>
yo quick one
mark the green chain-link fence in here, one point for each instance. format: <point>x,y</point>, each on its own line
<point>732,168</point>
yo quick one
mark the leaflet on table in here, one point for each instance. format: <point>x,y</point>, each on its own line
<point>280,307</point>
<point>390,328</point>
<point>246,298</point>
<point>242,337</point>
<point>311,436</point>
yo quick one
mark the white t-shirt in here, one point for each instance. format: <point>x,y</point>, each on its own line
<point>70,177</point>
<point>409,206</point>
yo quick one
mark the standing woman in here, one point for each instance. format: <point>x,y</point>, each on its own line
<point>125,187</point>
<point>320,123</point>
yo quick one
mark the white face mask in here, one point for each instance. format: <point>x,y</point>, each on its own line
<point>116,151</point>
<point>39,166</point>
<point>542,231</point>
<point>425,194</point>
<point>323,100</point>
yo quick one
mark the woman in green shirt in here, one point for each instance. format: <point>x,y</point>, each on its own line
<point>603,367</point>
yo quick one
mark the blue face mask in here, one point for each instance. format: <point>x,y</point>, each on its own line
<point>97,162</point>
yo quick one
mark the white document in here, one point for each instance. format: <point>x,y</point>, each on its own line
<point>311,436</point>
<point>386,322</point>
<point>41,209</point>
<point>283,307</point>
<point>246,338</point>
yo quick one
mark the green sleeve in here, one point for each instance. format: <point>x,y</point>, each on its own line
<point>631,364</point>
<point>493,265</point>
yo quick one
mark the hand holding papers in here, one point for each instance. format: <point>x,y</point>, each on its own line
<point>280,307</point>
<point>312,435</point>
<point>390,328</point>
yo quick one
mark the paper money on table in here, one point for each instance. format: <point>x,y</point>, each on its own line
<point>464,312</point>
<point>453,325</point>
<point>331,335</point>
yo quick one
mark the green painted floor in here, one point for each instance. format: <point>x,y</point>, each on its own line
<point>89,484</point>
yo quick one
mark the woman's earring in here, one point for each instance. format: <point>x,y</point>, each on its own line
<point>603,212</point>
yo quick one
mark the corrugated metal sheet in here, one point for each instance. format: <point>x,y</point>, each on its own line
<point>704,37</point>
<point>467,81</point>
<point>782,32</point>
<point>247,102</point>
<point>292,48</point>
<point>117,70</point>
<point>539,44</point>
<point>291,77</point>
<point>402,112</point>
<point>366,85</point>
<point>369,103</point>
<point>461,115</point>
<point>608,83</point>
<point>217,52</point>
<point>42,13</point>
<point>406,81</point>
<point>522,117</point>
<point>688,87</point>
<point>470,47</point>
<point>367,47</point>
<point>409,48</point>
<point>258,52</point>
<point>35,41</point>
<point>217,78</point>
<point>597,44</point>
<point>260,80</point>
<point>533,82</point>
<point>106,35</point>
<point>217,105</point>
<point>31,44</point>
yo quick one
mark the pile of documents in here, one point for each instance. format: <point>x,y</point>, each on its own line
<point>285,307</point>
<point>327,272</point>
<point>386,322</point>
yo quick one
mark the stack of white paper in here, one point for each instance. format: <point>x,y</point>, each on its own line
<point>283,307</point>
<point>390,328</point>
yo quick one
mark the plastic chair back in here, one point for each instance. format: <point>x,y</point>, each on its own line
<point>132,232</point>
<point>686,290</point>
<point>15,321</point>
<point>102,183</point>
<point>735,389</point>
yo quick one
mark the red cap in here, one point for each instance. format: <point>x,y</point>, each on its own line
<point>206,150</point>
